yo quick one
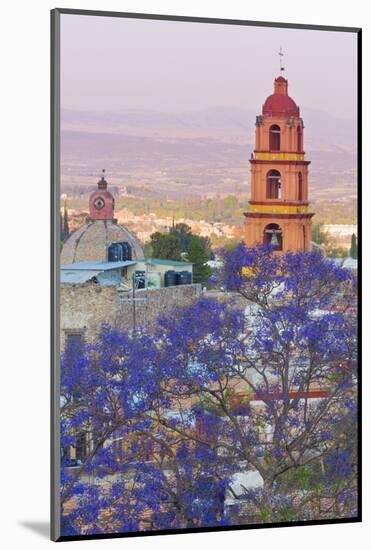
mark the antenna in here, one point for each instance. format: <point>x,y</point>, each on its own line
<point>280,53</point>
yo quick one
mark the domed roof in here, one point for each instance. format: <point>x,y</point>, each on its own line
<point>91,241</point>
<point>280,104</point>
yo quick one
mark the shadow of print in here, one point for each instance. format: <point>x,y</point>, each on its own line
<point>42,528</point>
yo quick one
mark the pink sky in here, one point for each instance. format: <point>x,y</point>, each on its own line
<point>115,63</point>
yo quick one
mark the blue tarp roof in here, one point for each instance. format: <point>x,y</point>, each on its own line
<point>77,276</point>
<point>97,266</point>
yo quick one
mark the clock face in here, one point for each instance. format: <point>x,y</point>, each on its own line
<point>99,203</point>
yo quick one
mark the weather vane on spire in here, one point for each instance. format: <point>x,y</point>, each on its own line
<point>280,53</point>
<point>103,173</point>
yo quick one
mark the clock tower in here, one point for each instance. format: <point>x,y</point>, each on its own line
<point>101,202</point>
<point>278,208</point>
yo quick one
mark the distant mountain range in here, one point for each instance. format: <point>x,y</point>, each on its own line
<point>208,148</point>
<point>321,128</point>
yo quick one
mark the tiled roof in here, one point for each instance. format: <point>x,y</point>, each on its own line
<point>280,105</point>
<point>90,242</point>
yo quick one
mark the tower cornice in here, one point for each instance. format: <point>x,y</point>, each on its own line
<point>281,162</point>
<point>279,215</point>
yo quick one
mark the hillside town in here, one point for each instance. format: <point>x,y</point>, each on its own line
<point>145,225</point>
<point>209,386</point>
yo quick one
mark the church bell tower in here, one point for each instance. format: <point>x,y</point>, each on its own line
<point>101,203</point>
<point>278,208</point>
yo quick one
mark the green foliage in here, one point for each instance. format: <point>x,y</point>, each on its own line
<point>166,246</point>
<point>212,405</point>
<point>354,248</point>
<point>287,514</point>
<point>329,211</point>
<point>170,246</point>
<point>206,244</point>
<point>227,209</point>
<point>66,229</point>
<point>148,251</point>
<point>303,477</point>
<point>265,514</point>
<point>318,236</point>
<point>198,256</point>
<point>336,252</point>
<point>184,234</point>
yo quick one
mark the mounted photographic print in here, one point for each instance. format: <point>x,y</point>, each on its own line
<point>205,274</point>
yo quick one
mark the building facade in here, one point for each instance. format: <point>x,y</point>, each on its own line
<point>278,208</point>
<point>98,287</point>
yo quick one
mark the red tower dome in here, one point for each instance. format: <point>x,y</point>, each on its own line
<point>280,104</point>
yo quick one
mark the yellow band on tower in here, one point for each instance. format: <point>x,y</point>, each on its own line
<point>279,156</point>
<point>276,208</point>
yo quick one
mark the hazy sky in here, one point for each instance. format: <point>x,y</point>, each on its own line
<point>172,66</point>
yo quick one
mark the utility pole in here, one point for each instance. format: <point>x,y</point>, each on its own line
<point>132,300</point>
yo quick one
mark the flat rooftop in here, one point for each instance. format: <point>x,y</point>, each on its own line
<point>160,261</point>
<point>97,266</point>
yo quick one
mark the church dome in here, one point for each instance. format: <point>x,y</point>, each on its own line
<point>90,242</point>
<point>280,104</point>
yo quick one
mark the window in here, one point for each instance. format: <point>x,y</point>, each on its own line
<point>300,187</point>
<point>273,184</point>
<point>299,134</point>
<point>74,339</point>
<point>273,236</point>
<point>274,138</point>
<point>74,343</point>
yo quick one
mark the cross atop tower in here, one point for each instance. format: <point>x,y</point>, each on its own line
<point>280,53</point>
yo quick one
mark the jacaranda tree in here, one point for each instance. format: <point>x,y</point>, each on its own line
<point>170,424</point>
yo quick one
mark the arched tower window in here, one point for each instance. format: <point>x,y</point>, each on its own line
<point>273,236</point>
<point>299,134</point>
<point>304,247</point>
<point>274,138</point>
<point>300,187</point>
<point>273,184</point>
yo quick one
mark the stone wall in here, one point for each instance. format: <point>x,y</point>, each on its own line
<point>85,307</point>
